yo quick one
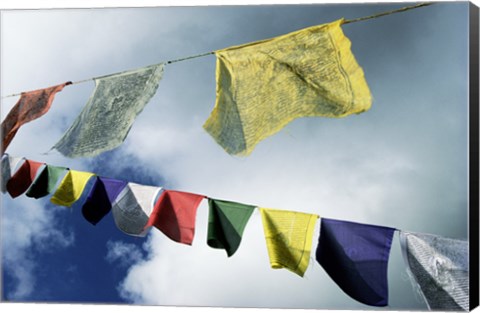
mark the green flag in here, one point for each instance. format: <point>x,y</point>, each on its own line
<point>226,222</point>
<point>45,182</point>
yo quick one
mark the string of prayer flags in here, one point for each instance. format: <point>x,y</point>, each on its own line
<point>356,257</point>
<point>289,238</point>
<point>226,223</point>
<point>46,181</point>
<point>23,178</point>
<point>106,119</point>
<point>132,208</point>
<point>263,86</point>
<point>71,188</point>
<point>100,198</point>
<point>439,266</point>
<point>174,214</point>
<point>30,106</point>
<point>9,166</point>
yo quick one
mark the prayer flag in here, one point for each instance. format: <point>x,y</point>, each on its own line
<point>439,267</point>
<point>109,114</point>
<point>226,223</point>
<point>174,214</point>
<point>289,238</point>
<point>263,86</point>
<point>99,200</point>
<point>71,188</point>
<point>23,178</point>
<point>133,207</point>
<point>29,107</point>
<point>9,166</point>
<point>356,257</point>
<point>45,182</point>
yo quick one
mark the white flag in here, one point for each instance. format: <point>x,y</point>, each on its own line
<point>440,268</point>
<point>133,207</point>
<point>106,119</point>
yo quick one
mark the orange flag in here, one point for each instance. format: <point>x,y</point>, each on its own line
<point>29,107</point>
<point>174,214</point>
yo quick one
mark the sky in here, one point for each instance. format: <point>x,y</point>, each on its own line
<point>401,164</point>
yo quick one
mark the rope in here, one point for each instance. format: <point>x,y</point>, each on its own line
<point>192,57</point>
<point>389,12</point>
<point>423,4</point>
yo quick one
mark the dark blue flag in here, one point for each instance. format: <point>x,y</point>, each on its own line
<point>356,256</point>
<point>99,200</point>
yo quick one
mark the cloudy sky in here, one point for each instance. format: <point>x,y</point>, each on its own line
<point>402,164</point>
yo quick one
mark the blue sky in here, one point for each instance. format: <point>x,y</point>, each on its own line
<point>83,271</point>
<point>401,164</point>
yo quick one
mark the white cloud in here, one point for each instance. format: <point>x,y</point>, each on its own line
<point>24,279</point>
<point>124,254</point>
<point>28,228</point>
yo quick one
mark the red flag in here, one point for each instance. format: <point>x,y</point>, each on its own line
<point>23,178</point>
<point>174,214</point>
<point>29,107</point>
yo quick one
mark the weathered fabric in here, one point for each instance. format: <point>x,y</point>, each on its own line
<point>289,238</point>
<point>263,86</point>
<point>9,167</point>
<point>174,214</point>
<point>46,181</point>
<point>356,257</point>
<point>226,223</point>
<point>100,198</point>
<point>133,207</point>
<point>439,267</point>
<point>23,178</point>
<point>30,106</point>
<point>106,119</point>
<point>71,188</point>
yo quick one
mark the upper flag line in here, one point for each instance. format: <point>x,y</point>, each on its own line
<point>403,9</point>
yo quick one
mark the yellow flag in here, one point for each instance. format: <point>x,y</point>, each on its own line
<point>71,188</point>
<point>263,86</point>
<point>289,238</point>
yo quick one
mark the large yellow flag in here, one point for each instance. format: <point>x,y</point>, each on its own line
<point>289,238</point>
<point>262,86</point>
<point>71,188</point>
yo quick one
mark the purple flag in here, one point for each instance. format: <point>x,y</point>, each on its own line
<point>356,256</point>
<point>99,200</point>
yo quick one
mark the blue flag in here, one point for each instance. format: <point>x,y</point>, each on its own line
<point>99,200</point>
<point>356,256</point>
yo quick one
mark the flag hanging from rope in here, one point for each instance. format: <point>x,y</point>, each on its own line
<point>71,188</point>
<point>30,106</point>
<point>263,86</point>
<point>23,178</point>
<point>288,236</point>
<point>100,198</point>
<point>46,181</point>
<point>110,112</point>
<point>174,215</point>
<point>9,167</point>
<point>356,257</point>
<point>133,207</point>
<point>226,223</point>
<point>439,267</point>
